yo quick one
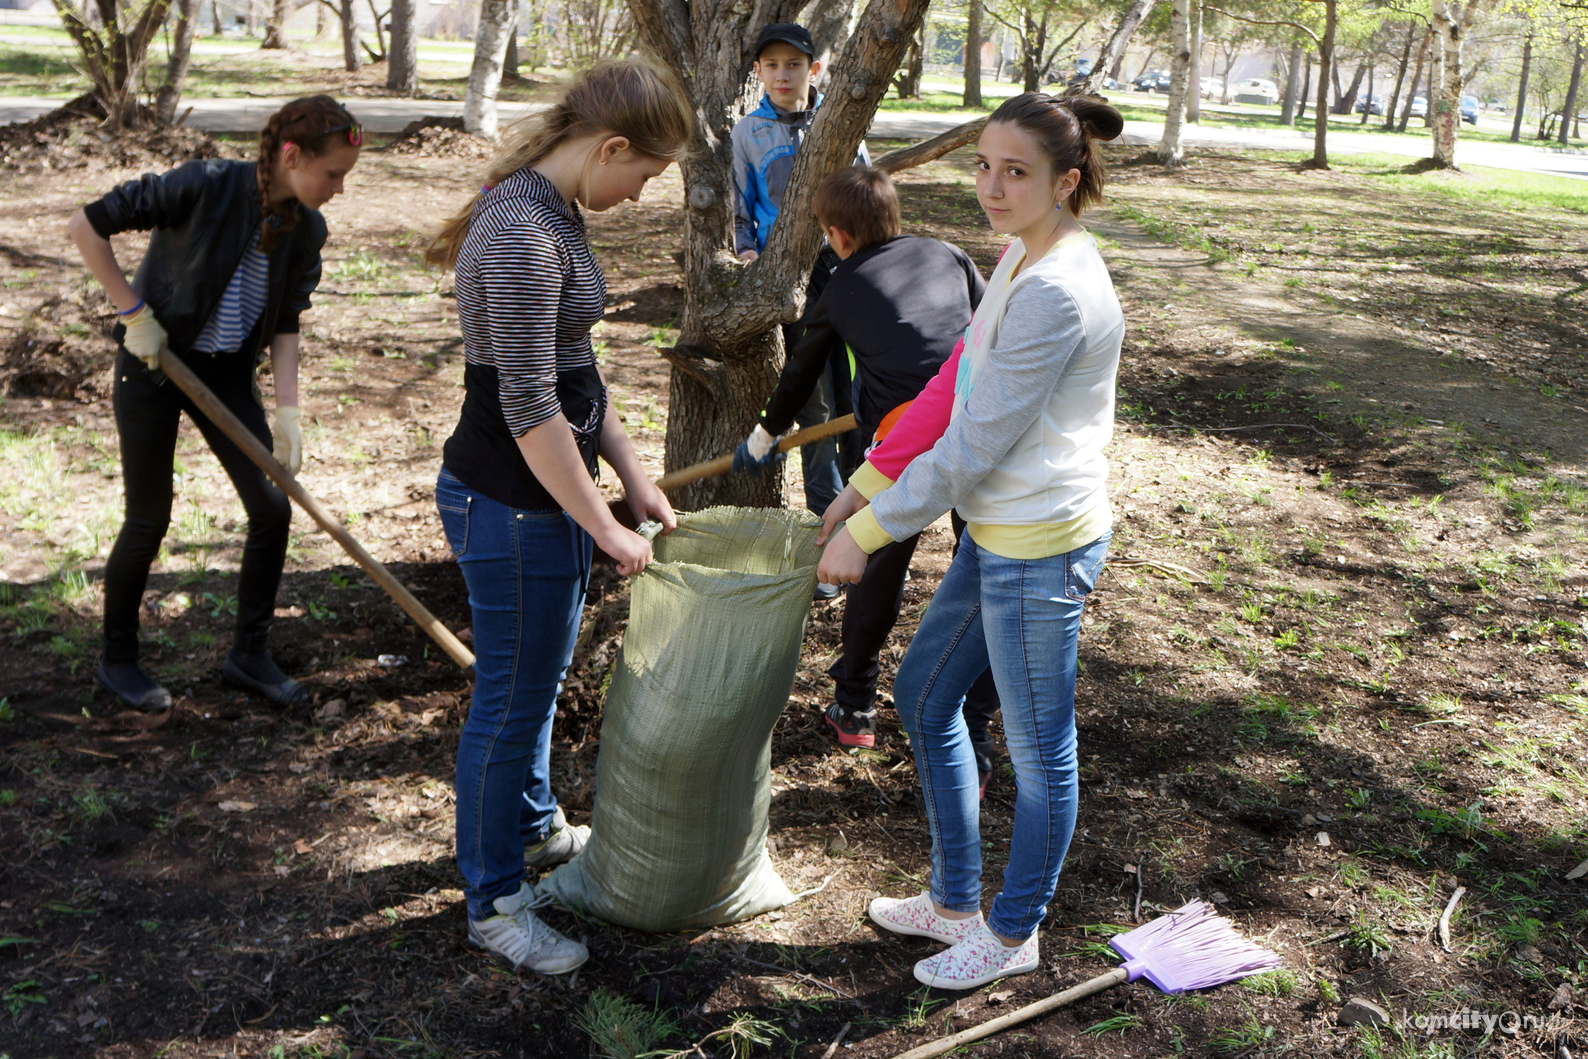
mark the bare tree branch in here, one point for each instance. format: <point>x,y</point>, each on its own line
<point>929,150</point>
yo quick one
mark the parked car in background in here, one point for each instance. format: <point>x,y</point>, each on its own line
<point>1152,81</point>
<point>1372,106</point>
<point>1419,107</point>
<point>1469,109</point>
<point>1256,90</point>
<point>1212,87</point>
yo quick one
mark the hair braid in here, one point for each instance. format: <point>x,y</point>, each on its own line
<point>314,123</point>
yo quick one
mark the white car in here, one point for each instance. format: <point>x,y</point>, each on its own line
<point>1255,90</point>
<point>1212,87</point>
<point>1419,107</point>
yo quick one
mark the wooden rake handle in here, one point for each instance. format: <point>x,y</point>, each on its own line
<point>233,428</point>
<point>1019,1015</point>
<point>723,464</point>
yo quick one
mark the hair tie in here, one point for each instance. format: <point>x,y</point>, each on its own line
<point>131,311</point>
<point>286,145</point>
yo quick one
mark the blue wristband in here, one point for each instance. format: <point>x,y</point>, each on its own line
<point>133,310</point>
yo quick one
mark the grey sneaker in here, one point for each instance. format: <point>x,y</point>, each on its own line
<point>562,844</point>
<point>517,934</point>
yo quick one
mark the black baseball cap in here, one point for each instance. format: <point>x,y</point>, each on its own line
<point>788,33</point>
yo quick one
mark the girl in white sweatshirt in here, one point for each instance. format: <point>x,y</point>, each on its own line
<point>1011,433</point>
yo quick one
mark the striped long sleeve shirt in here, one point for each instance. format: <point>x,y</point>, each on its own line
<point>528,291</point>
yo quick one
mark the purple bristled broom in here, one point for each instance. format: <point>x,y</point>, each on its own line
<point>1189,948</point>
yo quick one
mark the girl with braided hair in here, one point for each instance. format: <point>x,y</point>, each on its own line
<point>233,257</point>
<point>517,490</point>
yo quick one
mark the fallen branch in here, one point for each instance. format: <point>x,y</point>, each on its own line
<point>1444,920</point>
<point>823,886</point>
<point>1255,426</point>
<point>929,150</point>
<point>1162,569</point>
<point>833,1047</point>
<point>795,974</point>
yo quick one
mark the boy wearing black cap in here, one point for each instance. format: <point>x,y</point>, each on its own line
<point>764,144</point>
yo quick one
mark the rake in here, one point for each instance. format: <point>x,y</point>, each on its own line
<point>1189,948</point>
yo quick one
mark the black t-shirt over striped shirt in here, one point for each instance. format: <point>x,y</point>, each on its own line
<point>528,291</point>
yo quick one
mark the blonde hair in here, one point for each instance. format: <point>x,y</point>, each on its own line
<point>629,98</point>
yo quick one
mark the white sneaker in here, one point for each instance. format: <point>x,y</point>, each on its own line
<point>562,843</point>
<point>979,959</point>
<point>518,934</point>
<point>917,916</point>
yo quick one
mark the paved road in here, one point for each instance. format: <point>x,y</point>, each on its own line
<point>246,115</point>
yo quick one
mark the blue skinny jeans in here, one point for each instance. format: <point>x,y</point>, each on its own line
<point>526,572</point>
<point>1022,617</point>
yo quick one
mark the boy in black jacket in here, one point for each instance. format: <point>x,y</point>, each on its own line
<point>900,303</point>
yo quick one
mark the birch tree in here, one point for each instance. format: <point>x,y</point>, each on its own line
<point>1118,41</point>
<point>402,60</point>
<point>485,75</point>
<point>1169,150</point>
<point>1451,22</point>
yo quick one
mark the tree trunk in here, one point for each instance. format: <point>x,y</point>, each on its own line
<point>485,77</point>
<point>113,53</point>
<point>1306,86</point>
<point>252,18</point>
<point>1146,64</point>
<point>1400,78</point>
<point>347,17</point>
<point>1169,152</point>
<point>1193,103</point>
<point>1287,114</point>
<point>1347,98</point>
<point>1417,77</point>
<point>1568,112</point>
<point>170,93</point>
<point>1447,116</point>
<point>321,23</point>
<point>729,352</point>
<point>830,23</point>
<point>1113,55</point>
<point>376,18</point>
<point>1521,92</point>
<point>1367,104</point>
<point>218,28</point>
<point>510,57</point>
<point>1320,116</point>
<point>909,79</point>
<point>972,95</point>
<point>275,26</point>
<point>402,61</point>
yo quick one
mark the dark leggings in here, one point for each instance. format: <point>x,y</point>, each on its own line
<point>149,409</point>
<point>871,608</point>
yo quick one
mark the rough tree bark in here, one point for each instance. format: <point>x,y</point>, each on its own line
<point>1367,104</point>
<point>1451,24</point>
<point>908,80</point>
<point>972,94</point>
<point>1521,91</point>
<point>1107,64</point>
<point>485,76</point>
<point>347,18</point>
<point>170,91</point>
<point>830,23</point>
<point>1320,115</point>
<point>1169,152</point>
<point>1347,99</point>
<point>510,57</point>
<point>402,62</point>
<point>730,348</point>
<point>1568,110</point>
<point>1287,113</point>
<point>1193,103</point>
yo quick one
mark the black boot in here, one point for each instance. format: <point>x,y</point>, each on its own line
<point>257,672</point>
<point>133,686</point>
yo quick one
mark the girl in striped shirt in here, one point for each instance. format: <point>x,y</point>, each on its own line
<point>233,258</point>
<point>517,489</point>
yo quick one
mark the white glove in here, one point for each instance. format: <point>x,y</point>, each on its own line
<point>288,448</point>
<point>144,336</point>
<point>759,442</point>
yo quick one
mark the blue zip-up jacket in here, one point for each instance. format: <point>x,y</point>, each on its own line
<point>764,142</point>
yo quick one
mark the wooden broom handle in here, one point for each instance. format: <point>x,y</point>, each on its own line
<point>233,428</point>
<point>723,464</point>
<point>1019,1015</point>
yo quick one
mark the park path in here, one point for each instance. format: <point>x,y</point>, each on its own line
<point>385,116</point>
<point>1389,367</point>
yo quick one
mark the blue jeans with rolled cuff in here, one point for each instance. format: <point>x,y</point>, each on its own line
<point>1022,617</point>
<point>526,572</point>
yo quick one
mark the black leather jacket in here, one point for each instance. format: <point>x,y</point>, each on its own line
<point>204,215</point>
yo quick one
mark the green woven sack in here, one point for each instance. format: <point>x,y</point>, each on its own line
<point>683,781</point>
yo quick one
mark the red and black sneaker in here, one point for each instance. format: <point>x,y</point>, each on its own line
<point>983,769</point>
<point>853,728</point>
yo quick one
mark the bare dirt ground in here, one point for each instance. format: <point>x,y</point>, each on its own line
<point>1351,407</point>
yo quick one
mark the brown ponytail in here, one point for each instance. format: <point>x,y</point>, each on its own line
<point>629,98</point>
<point>1067,129</point>
<point>315,124</point>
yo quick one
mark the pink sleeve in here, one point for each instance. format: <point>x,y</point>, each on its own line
<point>922,423</point>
